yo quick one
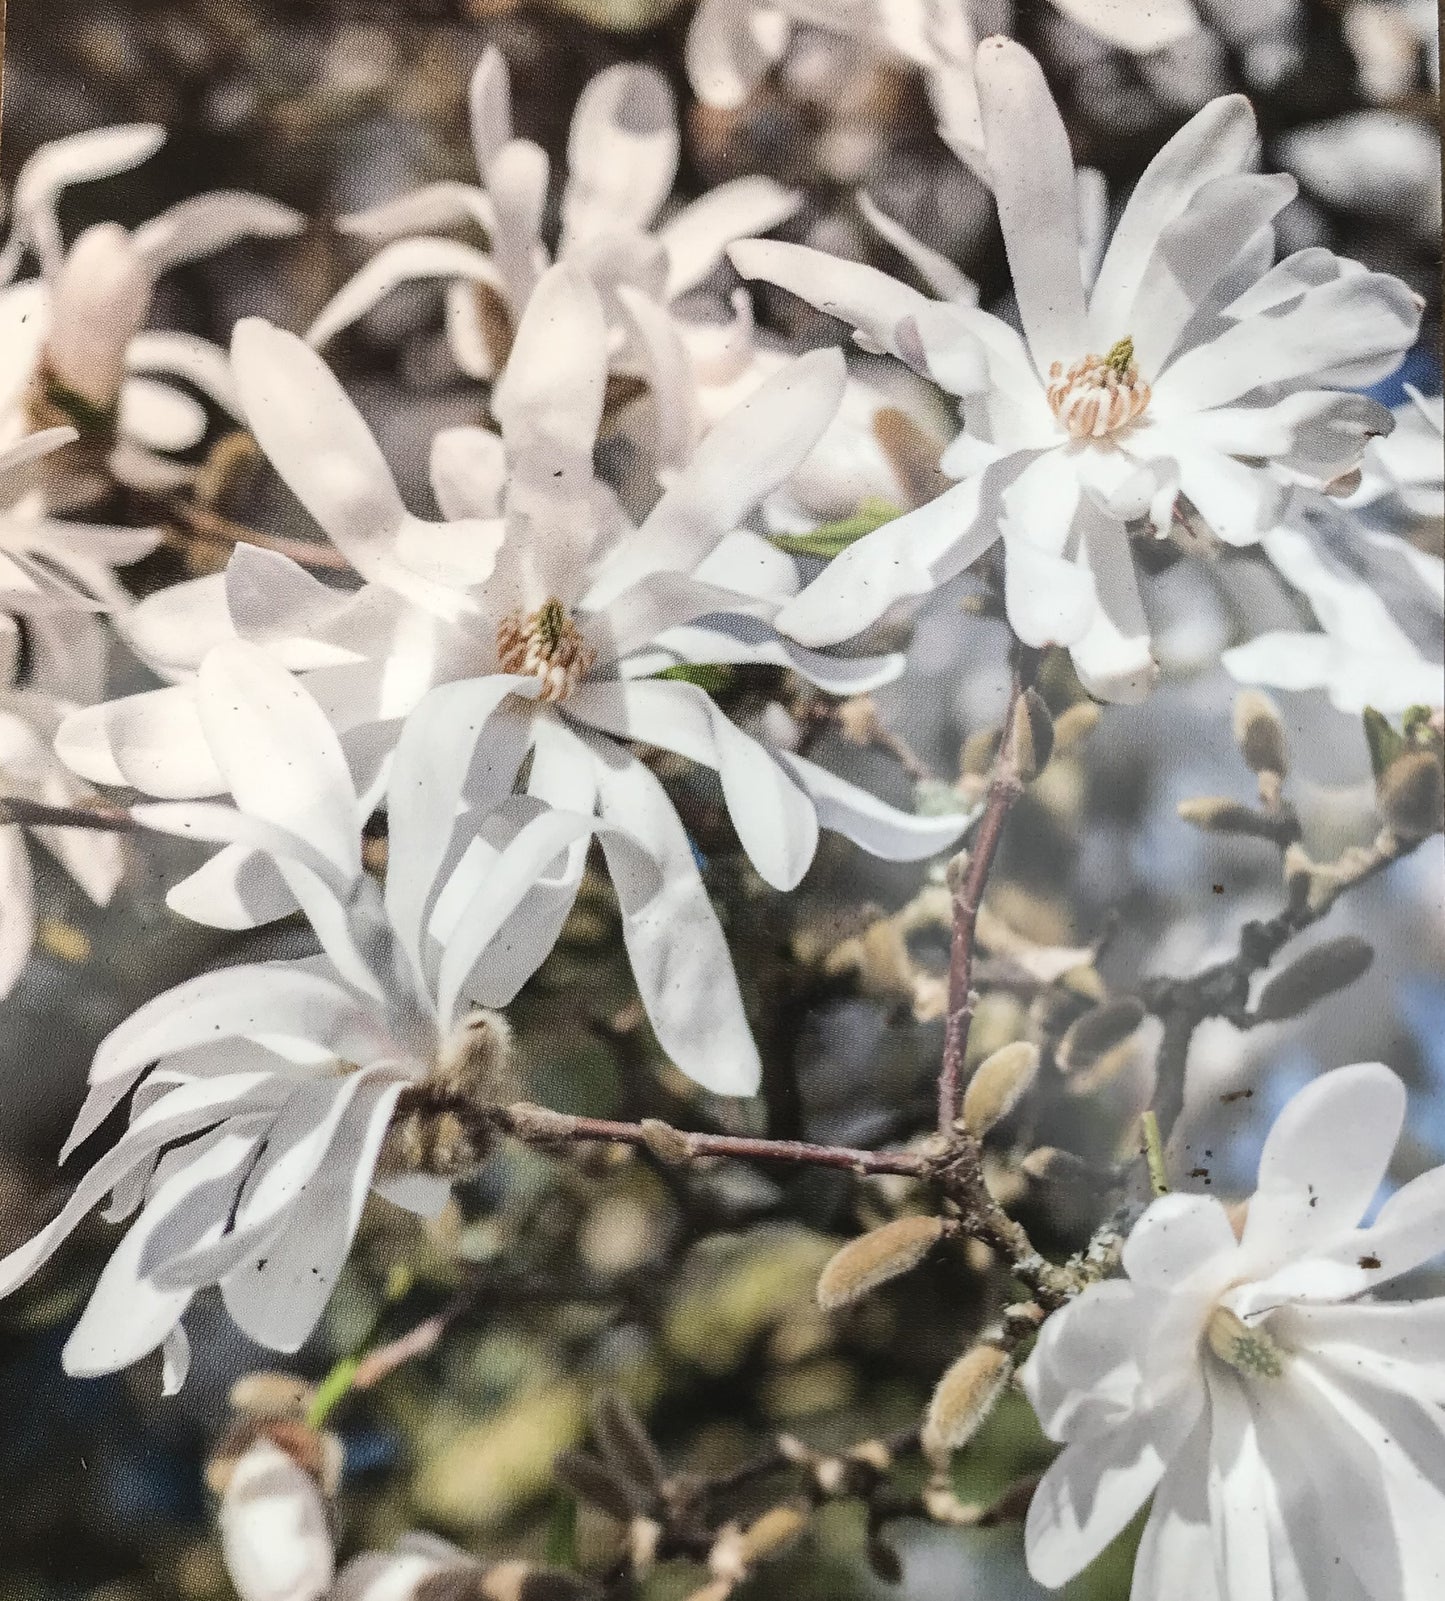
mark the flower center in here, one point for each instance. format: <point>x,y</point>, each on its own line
<point>548,645</point>
<point>1250,1351</point>
<point>1100,394</point>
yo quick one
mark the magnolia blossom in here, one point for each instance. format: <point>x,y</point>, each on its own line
<point>56,579</point>
<point>1193,372</point>
<point>622,154</point>
<point>75,340</point>
<point>263,1093</point>
<point>1287,1423</point>
<point>696,364</point>
<point>1379,600</point>
<point>538,576</point>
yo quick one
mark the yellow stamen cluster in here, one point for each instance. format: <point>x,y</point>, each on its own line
<point>1100,394</point>
<point>547,645</point>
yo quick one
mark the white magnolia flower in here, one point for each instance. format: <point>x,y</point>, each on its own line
<point>538,576</point>
<point>622,154</point>
<point>77,350</point>
<point>1287,1424</point>
<point>263,1093</point>
<point>1191,369</point>
<point>56,579</point>
<point>275,1530</point>
<point>1404,473</point>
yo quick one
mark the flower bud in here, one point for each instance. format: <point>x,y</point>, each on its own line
<point>874,1258</point>
<point>99,301</point>
<point>771,1533</point>
<point>1319,972</point>
<point>1033,735</point>
<point>1259,732</point>
<point>998,1085</point>
<point>1074,725</point>
<point>275,1533</point>
<point>1217,814</point>
<point>1098,1031</point>
<point>1411,794</point>
<point>963,1399</point>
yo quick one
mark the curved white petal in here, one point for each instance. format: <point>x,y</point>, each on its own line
<point>621,151</point>
<point>203,224</point>
<point>405,261</point>
<point>696,237</point>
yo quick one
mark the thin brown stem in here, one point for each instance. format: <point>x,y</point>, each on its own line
<point>1005,787</point>
<point>36,814</point>
<point>212,528</point>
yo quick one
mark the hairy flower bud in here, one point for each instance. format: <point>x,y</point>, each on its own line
<point>275,1528</point>
<point>1259,732</point>
<point>964,1398</point>
<point>1074,724</point>
<point>874,1258</point>
<point>1033,735</point>
<point>1217,814</point>
<point>1320,971</point>
<point>1098,1031</point>
<point>1411,794</point>
<point>998,1085</point>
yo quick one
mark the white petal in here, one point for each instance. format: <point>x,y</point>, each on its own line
<point>489,106</point>
<point>1088,1495</point>
<point>80,158</point>
<point>1324,1159</point>
<point>468,472</point>
<point>1364,322</point>
<point>159,417</point>
<point>1218,139</point>
<point>944,280</point>
<point>1137,25</point>
<point>237,888</point>
<point>678,953</point>
<point>696,237</point>
<point>406,261</point>
<point>1113,657</point>
<point>277,1297</point>
<point>1033,181</point>
<point>675,414</point>
<point>17,907</point>
<point>1176,1555</point>
<point>206,223</point>
<point>280,756</point>
<point>1083,1372</point>
<point>153,741</point>
<point>188,356</point>
<point>881,830</point>
<point>421,211</point>
<point>517,181</point>
<point>905,558</point>
<point>775,820</point>
<point>175,1361</point>
<point>756,447</point>
<point>1317,435</point>
<point>621,151</point>
<point>1177,1236</point>
<point>727,52</point>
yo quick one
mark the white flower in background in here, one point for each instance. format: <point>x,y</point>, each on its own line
<point>56,580</point>
<point>1391,40</point>
<point>1373,164</point>
<point>1286,1423</point>
<point>264,1092</point>
<point>732,43</point>
<point>540,577</point>
<point>77,350</point>
<point>1378,598</point>
<point>275,1529</point>
<point>622,154</point>
<point>1192,369</point>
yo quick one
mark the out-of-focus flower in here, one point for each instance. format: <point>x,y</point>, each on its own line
<point>76,348</point>
<point>732,43</point>
<point>275,1529</point>
<point>421,1565</point>
<point>56,579</point>
<point>1391,41</point>
<point>541,577</point>
<point>1193,369</point>
<point>1405,471</point>
<point>1287,1424</point>
<point>1373,163</point>
<point>266,1091</point>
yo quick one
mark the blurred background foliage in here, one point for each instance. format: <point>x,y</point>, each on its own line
<point>690,1294</point>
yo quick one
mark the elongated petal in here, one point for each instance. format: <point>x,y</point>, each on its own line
<point>756,447</point>
<point>406,261</point>
<point>1084,1370</point>
<point>489,106</point>
<point>1032,171</point>
<point>1136,25</point>
<point>206,223</point>
<point>468,472</point>
<point>79,158</point>
<point>1217,140</point>
<point>728,50</point>
<point>188,356</point>
<point>278,1296</point>
<point>880,829</point>
<point>421,211</point>
<point>775,820</point>
<point>679,956</point>
<point>696,237</point>
<point>621,151</point>
<point>17,907</point>
<point>153,741</point>
<point>749,639</point>
<point>944,280</point>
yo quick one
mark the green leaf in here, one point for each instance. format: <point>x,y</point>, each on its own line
<point>831,539</point>
<point>706,675</point>
<point>1386,743</point>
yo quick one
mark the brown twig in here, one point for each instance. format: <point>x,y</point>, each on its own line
<point>211,527</point>
<point>1004,789</point>
<point>36,814</point>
